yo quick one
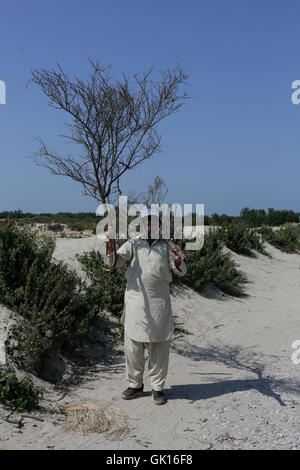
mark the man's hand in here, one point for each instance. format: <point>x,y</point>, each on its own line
<point>176,252</point>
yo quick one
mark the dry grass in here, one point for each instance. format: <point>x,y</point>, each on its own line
<point>92,416</point>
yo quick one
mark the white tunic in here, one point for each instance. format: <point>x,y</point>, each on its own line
<point>148,312</point>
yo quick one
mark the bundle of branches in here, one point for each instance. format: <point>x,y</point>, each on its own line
<point>93,416</point>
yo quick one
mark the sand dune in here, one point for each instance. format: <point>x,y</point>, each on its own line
<point>231,383</point>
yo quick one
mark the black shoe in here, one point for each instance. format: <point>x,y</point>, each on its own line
<point>130,393</point>
<point>159,397</point>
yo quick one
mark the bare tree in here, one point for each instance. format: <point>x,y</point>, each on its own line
<point>156,193</point>
<point>114,123</point>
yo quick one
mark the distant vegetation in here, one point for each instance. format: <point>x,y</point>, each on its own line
<point>255,217</point>
<point>88,220</point>
<point>76,221</point>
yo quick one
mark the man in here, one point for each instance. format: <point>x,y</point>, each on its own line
<point>148,313</point>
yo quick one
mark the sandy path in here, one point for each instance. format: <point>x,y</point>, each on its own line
<point>231,383</point>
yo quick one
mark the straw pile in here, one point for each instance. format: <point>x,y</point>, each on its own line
<point>93,416</point>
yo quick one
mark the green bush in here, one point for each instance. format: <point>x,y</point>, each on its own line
<point>18,250</point>
<point>109,292</point>
<point>285,239</point>
<point>210,264</point>
<point>55,314</point>
<point>240,238</point>
<point>21,394</point>
<point>54,311</point>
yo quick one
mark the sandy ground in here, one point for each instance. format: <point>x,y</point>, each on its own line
<point>231,382</point>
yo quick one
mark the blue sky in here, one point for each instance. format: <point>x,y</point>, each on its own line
<point>235,144</point>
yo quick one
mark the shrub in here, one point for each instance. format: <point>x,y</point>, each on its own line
<point>53,310</point>
<point>19,248</point>
<point>55,314</point>
<point>109,293</point>
<point>241,238</point>
<point>21,394</point>
<point>285,239</point>
<point>210,264</point>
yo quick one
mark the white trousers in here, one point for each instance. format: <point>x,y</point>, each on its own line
<point>158,361</point>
